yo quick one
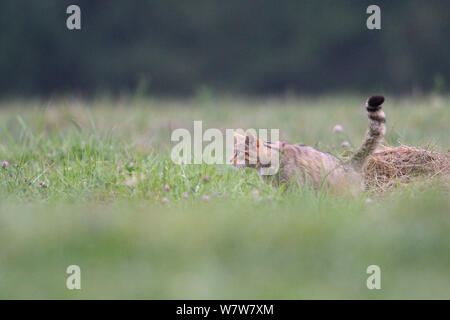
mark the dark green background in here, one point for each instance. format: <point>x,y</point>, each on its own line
<point>169,47</point>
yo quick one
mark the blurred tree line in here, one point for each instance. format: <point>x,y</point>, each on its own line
<point>241,46</point>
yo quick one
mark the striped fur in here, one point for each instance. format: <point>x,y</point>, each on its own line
<point>375,133</point>
<point>306,166</point>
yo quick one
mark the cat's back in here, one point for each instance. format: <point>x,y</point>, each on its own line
<point>306,164</point>
<point>305,155</point>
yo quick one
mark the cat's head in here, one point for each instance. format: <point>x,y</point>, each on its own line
<point>251,152</point>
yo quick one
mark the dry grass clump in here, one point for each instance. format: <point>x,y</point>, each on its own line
<point>392,166</point>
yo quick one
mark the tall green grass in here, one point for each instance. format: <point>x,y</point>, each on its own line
<point>86,181</point>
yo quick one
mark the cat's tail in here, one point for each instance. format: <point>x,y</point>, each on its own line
<point>375,133</point>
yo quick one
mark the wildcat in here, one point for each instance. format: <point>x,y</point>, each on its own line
<point>307,166</point>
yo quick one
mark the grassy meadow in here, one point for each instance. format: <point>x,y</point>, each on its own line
<point>91,183</point>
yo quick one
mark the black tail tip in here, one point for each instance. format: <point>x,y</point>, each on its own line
<point>374,103</point>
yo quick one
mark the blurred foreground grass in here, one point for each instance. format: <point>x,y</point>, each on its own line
<point>84,185</point>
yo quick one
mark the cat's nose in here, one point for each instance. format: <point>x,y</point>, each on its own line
<point>234,161</point>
